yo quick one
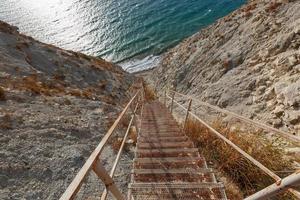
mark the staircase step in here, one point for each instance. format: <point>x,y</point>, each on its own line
<point>157,153</point>
<point>172,171</point>
<point>153,145</point>
<point>169,163</point>
<point>161,134</point>
<point>166,185</point>
<point>189,190</point>
<point>163,139</point>
<point>172,175</point>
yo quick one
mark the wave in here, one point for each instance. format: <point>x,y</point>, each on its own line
<point>137,65</point>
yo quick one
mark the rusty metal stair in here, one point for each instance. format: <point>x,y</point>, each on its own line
<point>166,164</point>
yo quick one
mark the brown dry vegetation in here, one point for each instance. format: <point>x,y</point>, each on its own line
<point>232,164</point>
<point>133,135</point>
<point>116,144</point>
<point>55,87</point>
<point>2,94</point>
<point>34,85</point>
<point>149,92</point>
<point>272,7</point>
<point>6,122</point>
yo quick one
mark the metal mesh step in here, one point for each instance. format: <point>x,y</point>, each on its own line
<point>158,153</point>
<point>177,191</point>
<point>166,164</point>
<point>163,139</point>
<point>151,145</point>
<point>169,163</point>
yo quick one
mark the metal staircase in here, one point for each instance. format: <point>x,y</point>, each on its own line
<point>166,164</point>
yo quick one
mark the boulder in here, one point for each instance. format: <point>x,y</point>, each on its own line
<point>279,110</point>
<point>294,117</point>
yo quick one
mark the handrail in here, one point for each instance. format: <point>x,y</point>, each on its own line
<point>250,121</point>
<point>112,172</point>
<point>253,160</point>
<point>94,163</point>
<point>288,182</point>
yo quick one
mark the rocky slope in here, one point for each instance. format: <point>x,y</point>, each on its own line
<point>55,105</point>
<point>247,62</point>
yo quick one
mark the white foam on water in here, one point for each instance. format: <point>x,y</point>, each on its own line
<point>137,65</point>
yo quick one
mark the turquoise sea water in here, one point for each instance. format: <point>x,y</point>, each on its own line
<point>117,30</point>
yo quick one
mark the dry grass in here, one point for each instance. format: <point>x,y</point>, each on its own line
<point>6,122</point>
<point>149,92</point>
<point>2,94</point>
<point>247,10</point>
<point>133,135</point>
<point>272,7</point>
<point>34,85</point>
<point>226,64</point>
<point>54,87</point>
<point>88,93</point>
<point>116,144</point>
<point>124,123</point>
<point>242,172</point>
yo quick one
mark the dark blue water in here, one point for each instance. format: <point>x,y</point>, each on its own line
<point>116,30</point>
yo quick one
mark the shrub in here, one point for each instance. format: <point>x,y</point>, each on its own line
<point>2,94</point>
<point>272,7</point>
<point>241,171</point>
<point>149,92</point>
<point>116,144</point>
<point>6,122</point>
<point>133,135</point>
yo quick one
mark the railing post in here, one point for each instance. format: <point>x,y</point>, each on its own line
<point>172,102</point>
<point>187,114</point>
<point>108,181</point>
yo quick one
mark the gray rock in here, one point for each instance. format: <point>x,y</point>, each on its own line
<point>294,117</point>
<point>279,110</point>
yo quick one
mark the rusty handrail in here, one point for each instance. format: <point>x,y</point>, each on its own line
<point>93,162</point>
<point>249,157</point>
<point>250,121</point>
<point>288,182</point>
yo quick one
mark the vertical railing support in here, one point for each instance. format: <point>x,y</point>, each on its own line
<point>187,114</point>
<point>108,181</point>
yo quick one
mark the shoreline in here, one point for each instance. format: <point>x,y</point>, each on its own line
<point>136,65</point>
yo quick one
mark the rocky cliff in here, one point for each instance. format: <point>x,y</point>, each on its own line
<point>55,105</point>
<point>247,62</point>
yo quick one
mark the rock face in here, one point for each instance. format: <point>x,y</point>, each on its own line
<point>248,62</point>
<point>55,106</point>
